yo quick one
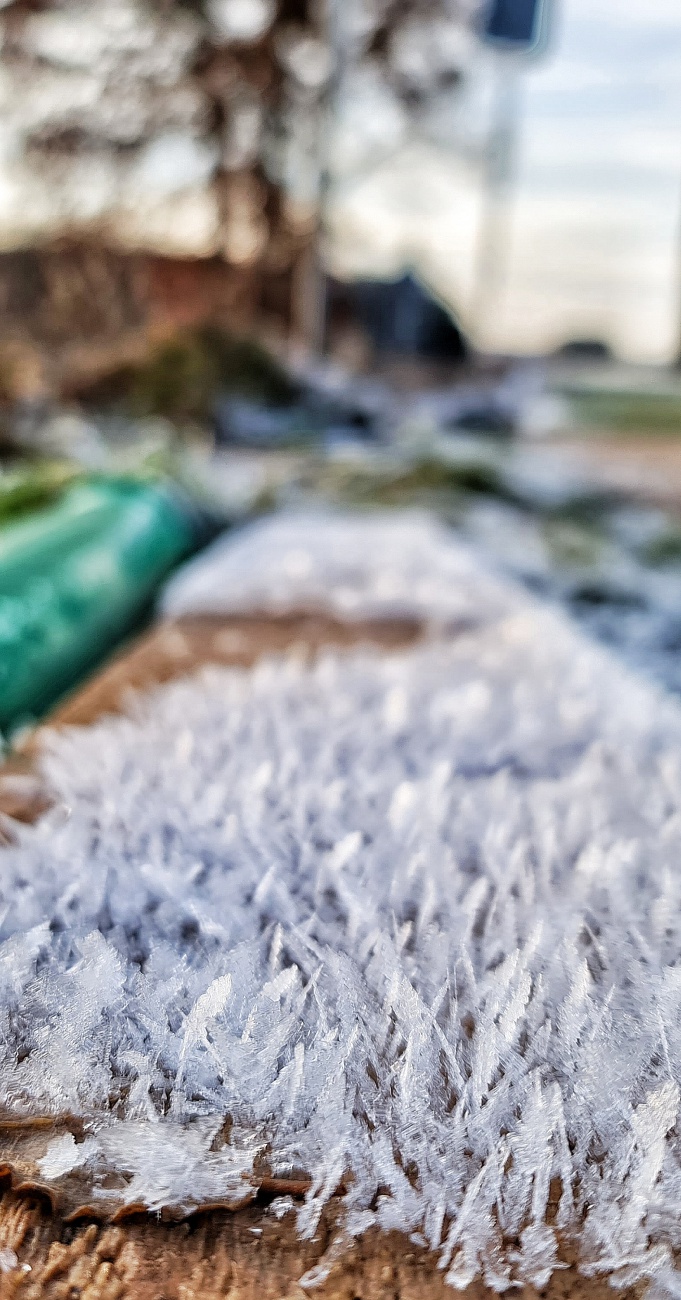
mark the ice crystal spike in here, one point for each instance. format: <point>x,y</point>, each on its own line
<point>407,923</point>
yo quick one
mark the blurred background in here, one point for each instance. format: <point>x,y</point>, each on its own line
<point>268,254</point>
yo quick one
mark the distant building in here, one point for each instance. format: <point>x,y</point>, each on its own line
<point>400,318</point>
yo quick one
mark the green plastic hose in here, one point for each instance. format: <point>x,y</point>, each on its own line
<point>74,579</point>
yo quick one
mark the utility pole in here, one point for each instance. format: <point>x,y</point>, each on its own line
<point>494,229</point>
<point>313,289</point>
<point>516,31</point>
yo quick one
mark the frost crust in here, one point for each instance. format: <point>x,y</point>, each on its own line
<point>408,926</point>
<point>404,564</point>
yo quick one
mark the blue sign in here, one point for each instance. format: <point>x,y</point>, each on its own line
<point>514,24</point>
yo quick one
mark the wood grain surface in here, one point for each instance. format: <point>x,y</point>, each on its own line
<point>174,649</point>
<point>248,1255</point>
<point>49,1249</point>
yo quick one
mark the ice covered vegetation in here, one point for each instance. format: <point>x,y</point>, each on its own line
<point>407,926</point>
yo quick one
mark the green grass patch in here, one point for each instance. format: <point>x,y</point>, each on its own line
<point>663,549</point>
<point>571,545</point>
<point>427,481</point>
<point>622,412</point>
<point>28,486</point>
<point>181,378</point>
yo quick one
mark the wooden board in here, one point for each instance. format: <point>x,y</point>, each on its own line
<point>246,1254</point>
<point>173,649</point>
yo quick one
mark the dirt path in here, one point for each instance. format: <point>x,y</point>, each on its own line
<point>646,468</point>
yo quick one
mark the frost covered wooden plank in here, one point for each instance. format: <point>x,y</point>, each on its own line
<point>249,1256</point>
<point>351,566</point>
<point>175,648</point>
<point>403,927</point>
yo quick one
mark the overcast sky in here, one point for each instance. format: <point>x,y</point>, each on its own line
<point>596,214</point>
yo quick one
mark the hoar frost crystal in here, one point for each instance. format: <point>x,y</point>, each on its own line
<point>409,922</point>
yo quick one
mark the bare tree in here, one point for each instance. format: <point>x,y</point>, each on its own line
<point>160,159</point>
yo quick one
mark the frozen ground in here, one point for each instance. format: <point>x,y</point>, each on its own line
<point>573,522</point>
<point>408,924</point>
<point>615,569</point>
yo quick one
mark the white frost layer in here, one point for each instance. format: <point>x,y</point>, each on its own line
<point>412,922</point>
<point>404,564</point>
